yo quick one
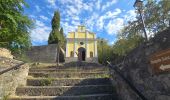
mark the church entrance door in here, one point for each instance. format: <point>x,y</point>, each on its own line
<point>81,54</point>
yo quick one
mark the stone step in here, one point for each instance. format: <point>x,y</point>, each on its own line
<point>79,97</point>
<point>66,70</point>
<point>64,90</point>
<point>67,82</point>
<point>70,74</point>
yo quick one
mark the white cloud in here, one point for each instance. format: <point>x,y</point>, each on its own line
<point>72,10</point>
<point>98,4</point>
<point>37,8</point>
<point>68,28</point>
<point>108,4</point>
<point>32,16</point>
<point>109,15</point>
<point>76,18</point>
<point>75,23</point>
<point>91,22</point>
<point>114,26</point>
<point>44,17</point>
<point>52,3</point>
<point>113,14</point>
<point>88,6</point>
<point>40,33</point>
<point>130,15</point>
<point>100,23</point>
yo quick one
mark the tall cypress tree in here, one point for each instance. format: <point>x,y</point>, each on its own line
<point>63,40</point>
<point>55,35</point>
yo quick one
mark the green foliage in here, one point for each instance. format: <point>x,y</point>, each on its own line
<point>6,97</point>
<point>46,82</point>
<point>14,25</point>
<point>156,17</point>
<point>125,45</point>
<point>56,20</point>
<point>63,40</point>
<point>105,51</point>
<point>57,34</point>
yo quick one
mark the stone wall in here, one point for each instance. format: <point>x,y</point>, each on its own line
<point>10,80</point>
<point>46,53</point>
<point>137,69</point>
<point>5,53</point>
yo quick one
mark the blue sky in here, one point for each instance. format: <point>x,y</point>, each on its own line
<point>103,17</point>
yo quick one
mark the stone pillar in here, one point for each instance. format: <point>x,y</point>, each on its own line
<point>75,44</point>
<point>95,46</point>
<point>86,43</point>
<point>66,49</point>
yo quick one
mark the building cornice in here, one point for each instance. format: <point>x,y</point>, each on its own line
<point>81,39</point>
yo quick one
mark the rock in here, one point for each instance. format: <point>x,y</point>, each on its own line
<point>5,53</point>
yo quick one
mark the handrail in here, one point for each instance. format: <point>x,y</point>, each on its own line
<point>128,82</point>
<point>11,68</point>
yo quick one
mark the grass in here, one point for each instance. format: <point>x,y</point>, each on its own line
<point>6,97</point>
<point>103,76</point>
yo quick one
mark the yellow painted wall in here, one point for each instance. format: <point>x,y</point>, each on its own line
<point>90,35</point>
<point>70,47</point>
<point>81,28</point>
<point>81,35</point>
<point>71,35</point>
<point>90,48</point>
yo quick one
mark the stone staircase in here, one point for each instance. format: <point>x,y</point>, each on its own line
<point>67,83</point>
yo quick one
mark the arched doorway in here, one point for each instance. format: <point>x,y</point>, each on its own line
<point>81,54</point>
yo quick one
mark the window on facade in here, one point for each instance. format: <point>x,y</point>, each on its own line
<point>91,54</point>
<point>81,43</point>
<point>71,54</point>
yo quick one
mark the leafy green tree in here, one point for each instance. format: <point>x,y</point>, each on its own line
<point>156,16</point>
<point>124,45</point>
<point>57,34</point>
<point>105,51</point>
<point>14,25</point>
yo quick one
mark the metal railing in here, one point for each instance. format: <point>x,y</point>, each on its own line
<point>127,81</point>
<point>11,68</point>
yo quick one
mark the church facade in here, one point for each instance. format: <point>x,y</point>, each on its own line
<point>81,45</point>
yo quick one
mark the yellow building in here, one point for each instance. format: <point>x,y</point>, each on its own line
<point>81,45</point>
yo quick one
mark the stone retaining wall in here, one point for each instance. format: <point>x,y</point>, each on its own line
<point>137,69</point>
<point>46,54</point>
<point>10,80</point>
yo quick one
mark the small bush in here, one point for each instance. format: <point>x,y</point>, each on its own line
<point>46,82</point>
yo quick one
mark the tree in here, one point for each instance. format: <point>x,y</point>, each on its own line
<point>57,34</point>
<point>104,56</point>
<point>156,16</point>
<point>62,38</point>
<point>14,25</point>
